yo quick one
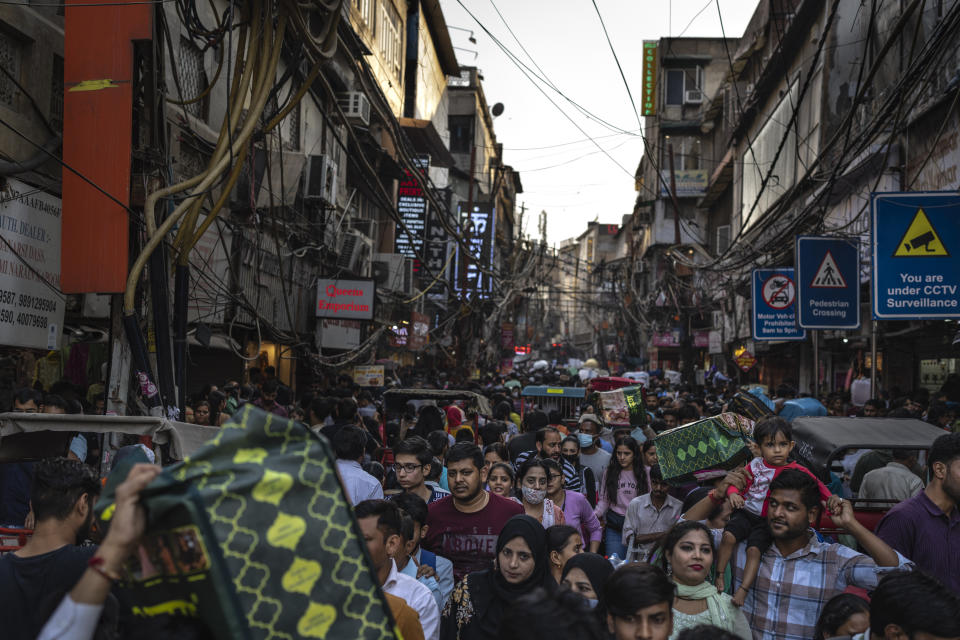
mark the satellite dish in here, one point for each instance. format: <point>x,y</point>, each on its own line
<point>497,109</point>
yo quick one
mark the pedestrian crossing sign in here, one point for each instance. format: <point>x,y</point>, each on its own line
<point>828,282</point>
<point>920,240</point>
<point>828,275</point>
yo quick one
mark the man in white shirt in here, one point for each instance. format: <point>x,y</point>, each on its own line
<point>649,517</point>
<point>348,444</point>
<point>428,565</point>
<point>894,482</point>
<point>380,523</point>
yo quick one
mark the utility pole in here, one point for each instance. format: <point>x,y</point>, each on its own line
<point>673,197</point>
<point>467,227</point>
<point>686,339</point>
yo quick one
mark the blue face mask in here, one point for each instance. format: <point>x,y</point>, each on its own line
<point>586,440</point>
<point>638,435</point>
<point>593,602</point>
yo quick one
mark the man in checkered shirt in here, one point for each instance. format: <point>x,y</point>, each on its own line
<point>798,574</point>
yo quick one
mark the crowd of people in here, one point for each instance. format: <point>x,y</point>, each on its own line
<point>482,524</point>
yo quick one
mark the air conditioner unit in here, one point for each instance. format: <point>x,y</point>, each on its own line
<point>393,271</point>
<point>356,106</point>
<point>353,253</point>
<point>693,96</point>
<point>723,239</point>
<point>320,181</point>
<point>643,215</point>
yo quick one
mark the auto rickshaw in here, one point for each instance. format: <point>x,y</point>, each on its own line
<point>823,441</point>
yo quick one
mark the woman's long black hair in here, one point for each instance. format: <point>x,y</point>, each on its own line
<point>613,469</point>
<point>674,535</point>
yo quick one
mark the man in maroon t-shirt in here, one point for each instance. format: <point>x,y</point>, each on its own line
<point>465,525</point>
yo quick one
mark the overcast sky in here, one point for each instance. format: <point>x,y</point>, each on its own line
<point>562,171</point>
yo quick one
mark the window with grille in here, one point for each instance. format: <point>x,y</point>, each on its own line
<point>367,9</point>
<point>679,81</point>
<point>56,93</point>
<point>193,78</point>
<point>686,153</point>
<point>390,37</point>
<point>11,58</point>
<point>292,140</point>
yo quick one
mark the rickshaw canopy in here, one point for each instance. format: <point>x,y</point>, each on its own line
<point>821,440</point>
<point>544,391</point>
<point>395,399</point>
<point>33,436</point>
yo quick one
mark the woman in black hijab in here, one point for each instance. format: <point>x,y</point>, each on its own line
<point>477,605</point>
<point>586,573</point>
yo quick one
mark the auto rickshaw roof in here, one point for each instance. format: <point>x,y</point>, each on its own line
<point>822,439</point>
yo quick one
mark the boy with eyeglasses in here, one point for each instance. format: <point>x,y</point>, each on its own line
<point>413,460</point>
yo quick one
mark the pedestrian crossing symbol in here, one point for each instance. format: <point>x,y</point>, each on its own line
<point>828,275</point>
<point>920,240</point>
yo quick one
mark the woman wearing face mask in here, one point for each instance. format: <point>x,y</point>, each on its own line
<point>563,542</point>
<point>478,604</point>
<point>501,479</point>
<point>586,573</point>
<point>570,450</point>
<point>623,480</point>
<point>532,479</point>
<point>577,512</point>
<point>687,557</point>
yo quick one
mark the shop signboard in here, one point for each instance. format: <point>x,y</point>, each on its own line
<point>690,183</point>
<point>413,209</point>
<point>648,93</point>
<point>338,334</point>
<point>666,338</point>
<point>507,336</point>
<point>744,359</point>
<point>351,299</point>
<point>916,255</point>
<point>479,227</point>
<point>31,306</point>
<point>828,282</point>
<point>370,375</point>
<point>774,296</point>
<point>419,331</point>
<point>715,342</point>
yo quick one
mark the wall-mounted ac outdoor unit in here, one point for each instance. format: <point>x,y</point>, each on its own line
<point>320,181</point>
<point>693,96</point>
<point>393,271</point>
<point>353,253</point>
<point>356,106</point>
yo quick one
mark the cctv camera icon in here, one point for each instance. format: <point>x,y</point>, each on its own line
<point>923,240</point>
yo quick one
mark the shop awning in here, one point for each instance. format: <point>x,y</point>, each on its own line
<point>426,140</point>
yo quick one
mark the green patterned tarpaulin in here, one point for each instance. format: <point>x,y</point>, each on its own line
<point>713,443</point>
<point>254,536</point>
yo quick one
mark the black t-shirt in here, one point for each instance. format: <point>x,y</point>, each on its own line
<point>31,588</point>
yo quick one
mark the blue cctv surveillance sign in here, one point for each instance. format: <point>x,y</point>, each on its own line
<point>916,255</point>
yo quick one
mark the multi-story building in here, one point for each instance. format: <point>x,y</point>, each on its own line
<point>667,296</point>
<point>822,105</point>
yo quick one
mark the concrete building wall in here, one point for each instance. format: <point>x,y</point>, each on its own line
<point>31,46</point>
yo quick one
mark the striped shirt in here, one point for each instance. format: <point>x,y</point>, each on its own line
<point>571,478</point>
<point>789,593</point>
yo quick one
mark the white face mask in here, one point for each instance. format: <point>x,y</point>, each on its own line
<point>534,496</point>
